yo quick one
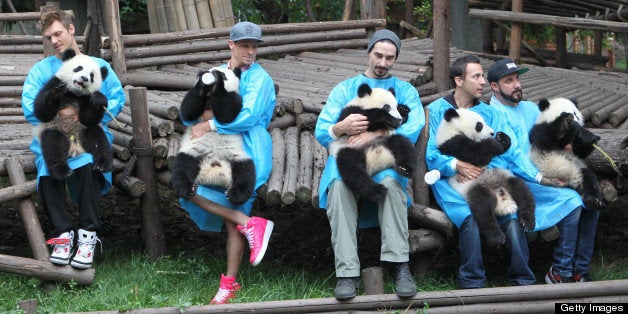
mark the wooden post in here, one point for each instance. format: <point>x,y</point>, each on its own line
<point>373,280</point>
<point>92,43</point>
<point>515,33</point>
<point>487,36</point>
<point>153,20</point>
<point>191,18</point>
<point>561,47</point>
<point>204,14</point>
<point>28,213</point>
<point>149,202</point>
<point>112,13</point>
<point>442,25</point>
<point>597,48</point>
<point>50,6</point>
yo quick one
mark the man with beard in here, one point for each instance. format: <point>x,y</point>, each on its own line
<point>345,211</point>
<point>554,205</point>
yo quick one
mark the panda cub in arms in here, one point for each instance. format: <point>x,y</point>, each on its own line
<point>214,159</point>
<point>464,135</point>
<point>76,88</point>
<point>560,124</point>
<point>356,164</point>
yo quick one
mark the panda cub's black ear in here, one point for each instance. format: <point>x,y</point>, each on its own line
<point>544,104</point>
<point>450,114</point>
<point>364,90</point>
<point>392,91</point>
<point>103,72</point>
<point>574,101</point>
<point>68,54</point>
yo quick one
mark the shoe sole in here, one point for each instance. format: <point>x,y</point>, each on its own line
<point>77,264</point>
<point>269,229</point>
<point>61,262</point>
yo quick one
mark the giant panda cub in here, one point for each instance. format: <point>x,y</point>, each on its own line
<point>214,159</point>
<point>464,135</point>
<point>560,124</point>
<point>356,164</point>
<point>76,84</point>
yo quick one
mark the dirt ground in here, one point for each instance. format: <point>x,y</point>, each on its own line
<point>301,237</point>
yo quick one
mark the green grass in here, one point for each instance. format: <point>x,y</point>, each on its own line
<point>133,281</point>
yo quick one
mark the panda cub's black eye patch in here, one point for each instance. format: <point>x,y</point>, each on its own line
<point>78,68</point>
<point>479,126</point>
<point>91,77</point>
<point>386,107</point>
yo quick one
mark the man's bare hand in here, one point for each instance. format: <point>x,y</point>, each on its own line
<point>467,171</point>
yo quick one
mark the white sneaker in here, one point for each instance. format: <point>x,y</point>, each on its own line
<point>86,244</point>
<point>62,248</point>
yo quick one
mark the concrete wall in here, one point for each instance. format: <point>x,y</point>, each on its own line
<point>466,33</point>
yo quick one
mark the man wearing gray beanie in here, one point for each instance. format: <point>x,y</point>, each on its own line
<point>345,211</point>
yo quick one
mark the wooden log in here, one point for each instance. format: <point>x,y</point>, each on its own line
<point>132,185</point>
<point>114,29</point>
<point>373,280</point>
<point>28,306</point>
<point>307,120</point>
<point>282,122</point>
<point>618,116</point>
<point>421,191</point>
<point>515,32</point>
<point>204,13</point>
<point>160,147</point>
<point>18,191</point>
<point>613,143</point>
<point>320,159</point>
<point>304,177</point>
<point>441,44</point>
<point>151,217</point>
<point>222,13</point>
<point>276,180</point>
<point>267,30</point>
<point>122,139</point>
<point>603,114</point>
<point>291,171</point>
<point>430,218</point>
<point>162,107</point>
<point>45,270</point>
<point>542,19</point>
<point>174,143</point>
<point>424,240</point>
<point>27,211</point>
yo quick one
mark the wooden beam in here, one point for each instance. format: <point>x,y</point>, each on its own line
<point>542,19</point>
<point>442,26</point>
<point>525,45</point>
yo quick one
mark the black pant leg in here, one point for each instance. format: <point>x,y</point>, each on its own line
<point>53,197</point>
<point>89,194</point>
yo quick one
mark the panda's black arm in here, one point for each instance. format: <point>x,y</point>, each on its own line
<point>227,108</point>
<point>583,141</point>
<point>92,108</point>
<point>193,104</point>
<point>467,150</point>
<point>49,98</point>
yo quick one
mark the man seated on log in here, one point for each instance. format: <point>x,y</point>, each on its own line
<point>467,77</point>
<point>209,208</point>
<point>562,207</point>
<point>86,185</point>
<point>341,203</point>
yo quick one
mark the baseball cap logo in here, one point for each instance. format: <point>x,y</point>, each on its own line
<point>248,29</point>
<point>511,66</point>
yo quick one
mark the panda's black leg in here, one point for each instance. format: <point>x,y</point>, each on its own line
<point>55,147</point>
<point>521,194</point>
<point>591,191</point>
<point>184,171</point>
<point>482,204</point>
<point>92,109</point>
<point>406,156</point>
<point>352,168</point>
<point>94,141</point>
<point>243,176</point>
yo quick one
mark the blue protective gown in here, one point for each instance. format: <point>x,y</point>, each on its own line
<point>344,92</point>
<point>552,204</point>
<point>258,96</point>
<point>37,77</point>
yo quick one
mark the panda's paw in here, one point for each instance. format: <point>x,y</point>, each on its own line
<point>495,238</point>
<point>503,139</point>
<point>405,170</point>
<point>594,203</point>
<point>236,196</point>
<point>60,173</point>
<point>103,165</point>
<point>527,222</point>
<point>190,193</point>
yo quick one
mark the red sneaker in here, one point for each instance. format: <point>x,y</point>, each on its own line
<point>552,278</point>
<point>226,291</point>
<point>257,231</point>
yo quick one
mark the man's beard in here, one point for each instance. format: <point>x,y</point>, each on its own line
<point>514,97</point>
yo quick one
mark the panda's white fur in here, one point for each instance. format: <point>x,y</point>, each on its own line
<point>357,163</point>
<point>493,179</point>
<point>558,106</point>
<point>464,135</point>
<point>75,87</point>
<point>214,159</point>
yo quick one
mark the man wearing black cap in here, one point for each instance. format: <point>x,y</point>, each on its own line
<point>340,202</point>
<point>210,207</point>
<point>562,207</point>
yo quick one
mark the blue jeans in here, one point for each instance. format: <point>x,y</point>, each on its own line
<point>471,273</point>
<point>565,247</point>
<point>586,239</point>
